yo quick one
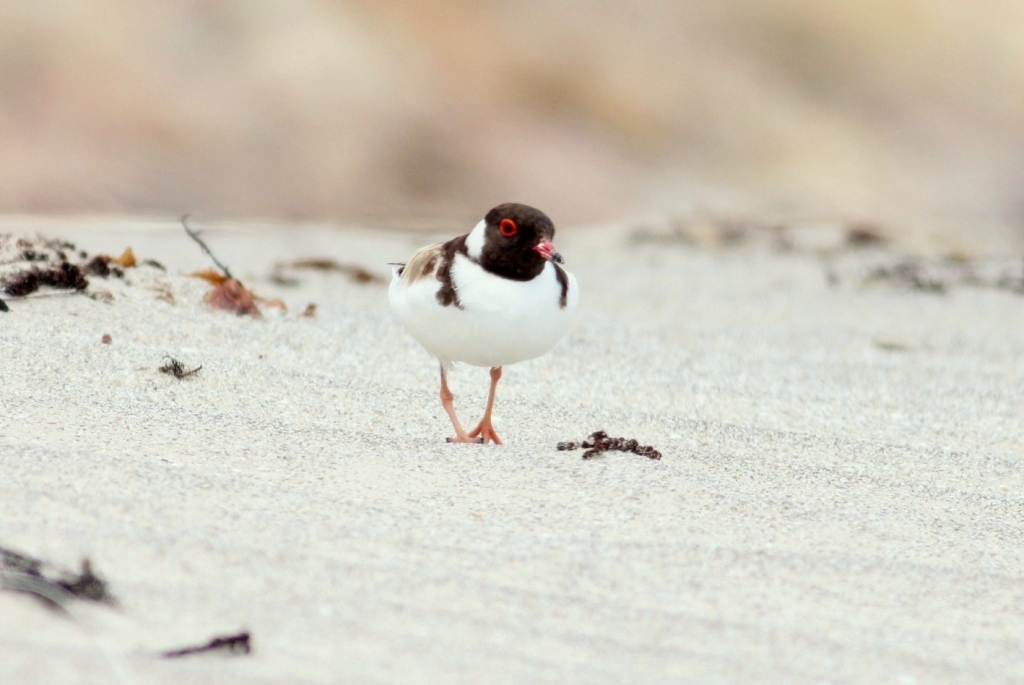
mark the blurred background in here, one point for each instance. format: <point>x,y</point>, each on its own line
<point>907,115</point>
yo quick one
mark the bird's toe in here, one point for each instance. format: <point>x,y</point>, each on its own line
<point>466,438</point>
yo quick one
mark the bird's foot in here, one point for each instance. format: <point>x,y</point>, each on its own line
<point>466,438</point>
<point>486,433</point>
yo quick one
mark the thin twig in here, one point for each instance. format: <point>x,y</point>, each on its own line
<point>195,236</point>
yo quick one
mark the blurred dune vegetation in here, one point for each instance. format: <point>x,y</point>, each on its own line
<point>906,114</point>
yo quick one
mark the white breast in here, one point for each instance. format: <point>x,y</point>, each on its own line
<point>501,321</point>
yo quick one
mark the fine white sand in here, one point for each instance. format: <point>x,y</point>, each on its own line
<point>840,498</point>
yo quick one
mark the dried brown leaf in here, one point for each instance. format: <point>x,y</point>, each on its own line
<point>232,296</point>
<point>210,276</point>
<point>127,259</point>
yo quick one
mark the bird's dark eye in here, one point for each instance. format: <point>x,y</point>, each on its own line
<point>508,228</point>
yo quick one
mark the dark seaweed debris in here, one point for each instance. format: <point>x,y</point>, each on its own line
<point>202,245</point>
<point>232,644</point>
<point>65,276</point>
<point>943,276</point>
<point>22,573</point>
<point>49,263</point>
<point>100,265</point>
<point>355,272</point>
<point>228,293</point>
<point>909,274</point>
<point>175,368</point>
<point>599,442</point>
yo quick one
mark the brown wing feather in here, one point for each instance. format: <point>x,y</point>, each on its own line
<point>422,264</point>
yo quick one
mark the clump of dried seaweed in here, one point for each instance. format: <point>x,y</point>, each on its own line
<point>822,236</point>
<point>910,274</point>
<point>356,273</point>
<point>599,442</point>
<point>51,584</point>
<point>175,368</point>
<point>62,276</point>
<point>40,262</point>
<point>932,276</point>
<point>228,293</point>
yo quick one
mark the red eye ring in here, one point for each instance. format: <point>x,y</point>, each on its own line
<point>508,228</point>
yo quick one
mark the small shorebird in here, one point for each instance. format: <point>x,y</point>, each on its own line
<point>492,297</point>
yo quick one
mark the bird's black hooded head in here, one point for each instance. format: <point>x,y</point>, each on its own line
<point>517,242</point>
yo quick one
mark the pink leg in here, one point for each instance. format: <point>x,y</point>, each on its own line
<point>484,429</point>
<point>447,402</point>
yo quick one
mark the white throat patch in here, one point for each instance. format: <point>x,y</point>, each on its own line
<point>475,241</point>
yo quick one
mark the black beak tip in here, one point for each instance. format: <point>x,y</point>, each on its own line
<point>557,258</point>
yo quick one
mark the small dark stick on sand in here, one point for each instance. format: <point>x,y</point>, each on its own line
<point>4,307</point>
<point>232,644</point>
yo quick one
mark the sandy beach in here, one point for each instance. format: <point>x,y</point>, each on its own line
<point>841,497</point>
